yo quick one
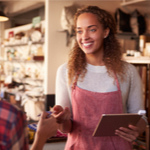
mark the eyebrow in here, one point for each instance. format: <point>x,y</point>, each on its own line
<point>88,26</point>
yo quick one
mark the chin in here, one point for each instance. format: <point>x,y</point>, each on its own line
<point>88,53</point>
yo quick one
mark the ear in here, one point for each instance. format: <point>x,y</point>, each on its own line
<point>106,33</point>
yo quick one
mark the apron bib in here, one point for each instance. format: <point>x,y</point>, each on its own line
<point>87,108</point>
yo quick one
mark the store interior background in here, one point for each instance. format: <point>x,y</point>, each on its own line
<point>56,51</point>
<point>21,12</point>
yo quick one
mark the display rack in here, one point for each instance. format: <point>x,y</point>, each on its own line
<point>17,55</point>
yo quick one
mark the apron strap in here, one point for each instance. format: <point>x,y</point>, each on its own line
<point>75,81</point>
<point>117,81</point>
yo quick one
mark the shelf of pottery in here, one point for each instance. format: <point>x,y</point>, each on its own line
<point>22,62</point>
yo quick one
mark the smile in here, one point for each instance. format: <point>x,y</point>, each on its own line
<point>87,44</point>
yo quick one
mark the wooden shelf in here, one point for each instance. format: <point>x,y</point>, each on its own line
<point>27,79</point>
<point>23,44</point>
<point>23,61</point>
<point>127,35</point>
<point>14,92</point>
<point>136,3</point>
<point>137,60</point>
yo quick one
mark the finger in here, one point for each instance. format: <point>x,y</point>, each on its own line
<point>132,131</point>
<point>52,118</point>
<point>126,136</point>
<point>62,112</point>
<point>65,113</point>
<point>135,128</point>
<point>126,130</point>
<point>66,109</point>
<point>62,117</point>
<point>57,109</point>
<point>44,115</point>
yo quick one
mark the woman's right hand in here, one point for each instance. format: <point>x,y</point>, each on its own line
<point>61,115</point>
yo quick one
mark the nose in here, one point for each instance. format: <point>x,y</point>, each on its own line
<point>85,35</point>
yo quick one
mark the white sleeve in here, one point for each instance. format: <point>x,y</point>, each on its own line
<point>62,88</point>
<point>135,97</point>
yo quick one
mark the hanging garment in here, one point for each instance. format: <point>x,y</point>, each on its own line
<point>138,23</point>
<point>67,21</point>
<point>123,21</point>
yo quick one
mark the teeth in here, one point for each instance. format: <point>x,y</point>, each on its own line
<point>87,44</point>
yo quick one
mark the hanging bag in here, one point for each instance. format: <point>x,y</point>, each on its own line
<point>123,21</point>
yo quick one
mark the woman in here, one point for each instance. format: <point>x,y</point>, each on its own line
<point>96,81</point>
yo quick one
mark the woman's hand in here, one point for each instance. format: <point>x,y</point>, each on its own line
<point>130,134</point>
<point>61,115</point>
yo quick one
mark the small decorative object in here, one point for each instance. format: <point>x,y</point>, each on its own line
<point>11,34</point>
<point>36,36</point>
<point>38,57</point>
<point>19,35</point>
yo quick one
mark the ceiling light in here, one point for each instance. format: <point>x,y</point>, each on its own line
<point>3,17</point>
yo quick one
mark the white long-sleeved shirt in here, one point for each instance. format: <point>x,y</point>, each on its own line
<point>98,80</point>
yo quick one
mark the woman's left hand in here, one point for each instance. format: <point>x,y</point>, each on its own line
<point>130,134</point>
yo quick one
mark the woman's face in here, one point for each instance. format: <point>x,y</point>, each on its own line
<point>90,33</point>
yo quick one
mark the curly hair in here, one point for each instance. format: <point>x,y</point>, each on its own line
<point>112,49</point>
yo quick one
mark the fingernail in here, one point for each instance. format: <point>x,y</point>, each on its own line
<point>49,112</point>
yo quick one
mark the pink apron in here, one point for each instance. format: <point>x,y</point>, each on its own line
<point>87,109</point>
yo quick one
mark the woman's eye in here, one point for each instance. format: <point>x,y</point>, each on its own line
<point>92,30</point>
<point>79,32</point>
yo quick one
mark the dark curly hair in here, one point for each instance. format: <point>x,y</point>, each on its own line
<point>112,49</point>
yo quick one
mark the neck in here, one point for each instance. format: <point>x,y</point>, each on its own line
<point>95,60</point>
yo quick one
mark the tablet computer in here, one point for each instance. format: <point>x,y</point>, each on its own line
<point>110,122</point>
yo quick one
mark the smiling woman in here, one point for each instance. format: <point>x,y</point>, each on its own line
<point>90,37</point>
<point>96,81</point>
<point>100,28</point>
